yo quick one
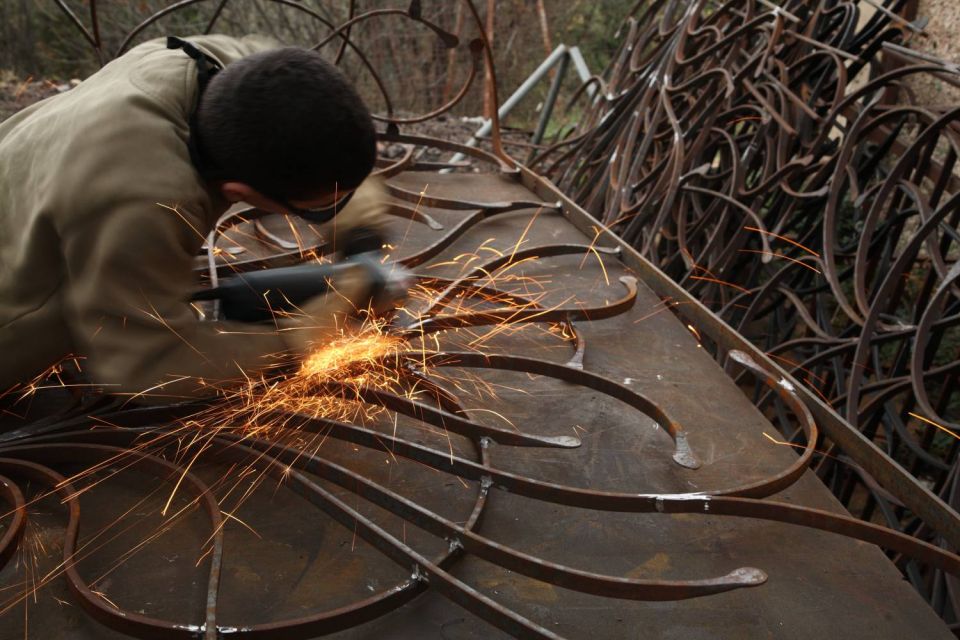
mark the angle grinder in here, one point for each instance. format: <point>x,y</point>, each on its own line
<point>257,296</point>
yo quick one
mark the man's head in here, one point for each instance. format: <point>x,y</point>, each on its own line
<point>284,129</point>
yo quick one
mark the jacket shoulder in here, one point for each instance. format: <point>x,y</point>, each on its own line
<point>228,49</point>
<point>127,140</point>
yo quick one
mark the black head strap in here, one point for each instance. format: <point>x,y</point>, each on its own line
<point>207,67</point>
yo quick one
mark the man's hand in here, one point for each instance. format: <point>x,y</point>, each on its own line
<point>365,286</point>
<point>323,317</point>
<point>366,210</point>
<point>391,282</point>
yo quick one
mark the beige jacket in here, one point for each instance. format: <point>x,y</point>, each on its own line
<point>93,261</point>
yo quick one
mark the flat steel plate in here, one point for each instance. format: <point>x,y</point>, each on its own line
<point>284,558</point>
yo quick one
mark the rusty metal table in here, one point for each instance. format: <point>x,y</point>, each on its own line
<point>287,559</point>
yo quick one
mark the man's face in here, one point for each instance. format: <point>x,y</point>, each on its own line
<point>319,209</point>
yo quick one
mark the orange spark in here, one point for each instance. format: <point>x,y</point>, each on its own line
<point>931,422</point>
<point>723,282</point>
<point>785,239</point>
<point>780,255</point>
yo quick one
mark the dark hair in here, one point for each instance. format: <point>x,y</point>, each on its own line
<point>287,123</point>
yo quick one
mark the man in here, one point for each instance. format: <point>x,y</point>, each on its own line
<point>107,192</point>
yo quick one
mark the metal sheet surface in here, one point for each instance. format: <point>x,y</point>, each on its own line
<point>287,559</point>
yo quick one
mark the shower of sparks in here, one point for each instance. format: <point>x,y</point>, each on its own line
<point>358,359</point>
<point>372,354</point>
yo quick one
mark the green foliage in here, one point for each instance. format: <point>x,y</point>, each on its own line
<point>595,27</point>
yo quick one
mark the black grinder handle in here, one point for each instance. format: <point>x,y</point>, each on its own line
<point>256,296</point>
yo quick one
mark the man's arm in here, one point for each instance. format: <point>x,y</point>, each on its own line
<point>128,277</point>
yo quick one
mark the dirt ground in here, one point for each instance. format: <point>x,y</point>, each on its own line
<point>17,93</point>
<point>940,39</point>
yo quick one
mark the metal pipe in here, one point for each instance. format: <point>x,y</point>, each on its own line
<point>549,103</point>
<point>580,65</point>
<point>555,56</point>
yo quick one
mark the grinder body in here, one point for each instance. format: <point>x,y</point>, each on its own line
<point>257,296</point>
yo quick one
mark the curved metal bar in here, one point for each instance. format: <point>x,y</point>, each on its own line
<point>449,39</point>
<point>505,556</point>
<point>415,214</point>
<point>488,208</point>
<point>439,143</point>
<point>682,454</point>
<point>732,150</point>
<point>343,45</point>
<point>476,49</point>
<point>492,103</point>
<point>403,164</point>
<point>434,249</point>
<point>423,569</point>
<point>462,287</point>
<point>346,42</point>
<point>726,143</point>
<point>124,621</point>
<point>445,420</point>
<point>77,23</point>
<point>288,3</point>
<point>531,314</point>
<point>133,33</point>
<point>215,16</point>
<point>488,268</point>
<point>705,503</point>
<point>467,289</point>
<point>14,531</point>
<point>318,623</point>
<point>889,282</point>
<point>918,360</point>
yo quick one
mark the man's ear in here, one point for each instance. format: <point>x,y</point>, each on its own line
<point>239,192</point>
<point>242,192</point>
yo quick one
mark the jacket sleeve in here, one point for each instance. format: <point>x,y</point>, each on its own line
<point>128,277</point>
